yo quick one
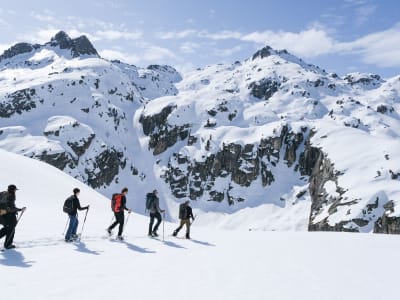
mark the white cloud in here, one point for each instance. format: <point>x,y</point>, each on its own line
<point>122,56</point>
<point>363,13</point>
<point>176,34</point>
<point>189,47</point>
<point>227,52</point>
<point>307,43</point>
<point>116,35</point>
<point>221,35</point>
<point>49,18</point>
<point>156,53</point>
<point>380,48</point>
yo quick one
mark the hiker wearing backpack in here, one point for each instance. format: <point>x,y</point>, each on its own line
<point>118,206</point>
<point>8,215</point>
<point>153,205</point>
<point>185,213</point>
<point>71,206</point>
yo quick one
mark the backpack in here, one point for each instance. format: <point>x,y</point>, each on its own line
<point>183,211</point>
<point>3,202</point>
<point>68,207</point>
<point>149,201</point>
<point>116,202</point>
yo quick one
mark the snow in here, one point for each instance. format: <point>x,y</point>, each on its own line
<point>215,264</point>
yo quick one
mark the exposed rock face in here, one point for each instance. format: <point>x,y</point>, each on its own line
<point>264,52</point>
<point>105,167</point>
<point>18,102</point>
<point>387,224</point>
<point>162,136</point>
<point>242,164</point>
<point>264,89</point>
<point>79,46</point>
<point>17,49</point>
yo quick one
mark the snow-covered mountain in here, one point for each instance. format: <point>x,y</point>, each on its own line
<point>253,265</point>
<point>268,143</point>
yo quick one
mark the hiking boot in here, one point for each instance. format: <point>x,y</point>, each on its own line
<point>188,236</point>
<point>70,240</point>
<point>120,238</point>
<point>175,233</point>
<point>154,233</point>
<point>74,237</point>
<point>109,231</point>
<point>10,247</point>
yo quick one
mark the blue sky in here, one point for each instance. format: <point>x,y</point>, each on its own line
<point>338,35</point>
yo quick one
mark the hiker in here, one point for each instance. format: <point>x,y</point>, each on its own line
<point>185,213</point>
<point>8,215</point>
<point>73,216</point>
<point>118,205</point>
<point>155,212</point>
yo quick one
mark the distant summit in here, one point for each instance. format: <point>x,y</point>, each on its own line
<point>78,46</point>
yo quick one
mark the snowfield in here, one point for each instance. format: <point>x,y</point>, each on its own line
<point>215,264</point>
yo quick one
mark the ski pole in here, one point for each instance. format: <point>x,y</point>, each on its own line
<point>13,231</point>
<point>84,221</point>
<point>127,219</point>
<point>65,228</point>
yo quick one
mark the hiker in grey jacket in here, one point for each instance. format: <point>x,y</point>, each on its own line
<point>155,213</point>
<point>9,216</point>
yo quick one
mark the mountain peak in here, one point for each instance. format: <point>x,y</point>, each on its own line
<point>79,46</point>
<point>264,52</point>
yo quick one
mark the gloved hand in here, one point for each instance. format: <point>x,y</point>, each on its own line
<point>23,209</point>
<point>87,207</point>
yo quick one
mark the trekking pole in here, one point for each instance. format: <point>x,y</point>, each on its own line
<point>13,231</point>
<point>65,228</point>
<point>127,219</point>
<point>84,221</point>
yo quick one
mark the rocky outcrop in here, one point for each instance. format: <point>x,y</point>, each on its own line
<point>18,102</point>
<point>243,165</point>
<point>264,89</point>
<point>18,49</point>
<point>105,167</point>
<point>386,223</point>
<point>79,46</point>
<point>162,135</point>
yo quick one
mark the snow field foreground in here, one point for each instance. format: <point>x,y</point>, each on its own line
<point>216,264</point>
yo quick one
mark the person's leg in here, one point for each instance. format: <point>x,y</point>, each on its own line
<point>152,215</point>
<point>158,217</point>
<point>179,228</point>
<point>121,219</point>
<point>187,223</point>
<point>75,226</point>
<point>10,223</point>
<point>115,223</point>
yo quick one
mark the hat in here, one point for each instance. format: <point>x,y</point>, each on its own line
<point>12,188</point>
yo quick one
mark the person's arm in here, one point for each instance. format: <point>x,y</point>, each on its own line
<point>78,205</point>
<point>124,204</point>
<point>11,208</point>
<point>157,205</point>
<point>190,213</point>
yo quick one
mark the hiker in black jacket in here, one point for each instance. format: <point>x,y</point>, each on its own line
<point>185,213</point>
<point>118,207</point>
<point>8,215</point>
<point>155,213</point>
<point>73,217</point>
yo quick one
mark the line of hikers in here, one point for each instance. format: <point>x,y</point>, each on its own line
<point>8,214</point>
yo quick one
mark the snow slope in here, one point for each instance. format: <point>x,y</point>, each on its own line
<point>215,264</point>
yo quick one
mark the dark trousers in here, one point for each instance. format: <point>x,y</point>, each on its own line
<point>119,219</point>
<point>9,221</point>
<point>184,222</point>
<point>157,216</point>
